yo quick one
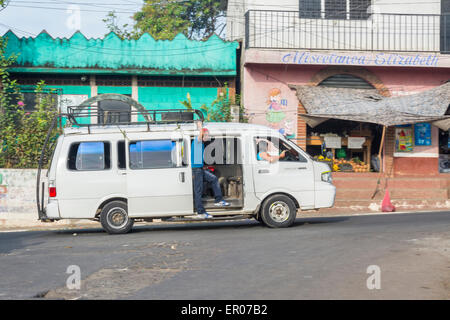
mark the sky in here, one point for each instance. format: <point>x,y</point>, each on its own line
<point>62,18</point>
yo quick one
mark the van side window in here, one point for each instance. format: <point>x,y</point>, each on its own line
<point>275,146</point>
<point>152,154</point>
<point>121,162</point>
<point>86,156</point>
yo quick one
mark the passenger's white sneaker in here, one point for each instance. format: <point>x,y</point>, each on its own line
<point>222,203</point>
<point>202,216</point>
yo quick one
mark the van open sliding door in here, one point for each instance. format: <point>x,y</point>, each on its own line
<point>159,182</point>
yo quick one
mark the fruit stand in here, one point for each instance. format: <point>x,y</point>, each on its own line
<point>354,164</point>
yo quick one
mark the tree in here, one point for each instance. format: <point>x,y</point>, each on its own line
<point>123,32</point>
<point>30,138</point>
<point>220,108</point>
<point>165,19</point>
<point>22,133</point>
<point>11,108</point>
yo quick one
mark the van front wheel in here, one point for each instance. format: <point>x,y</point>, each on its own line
<point>278,211</point>
<point>114,218</point>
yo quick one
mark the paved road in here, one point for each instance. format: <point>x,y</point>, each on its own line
<point>317,258</point>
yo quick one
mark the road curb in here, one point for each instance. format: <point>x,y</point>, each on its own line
<point>85,224</point>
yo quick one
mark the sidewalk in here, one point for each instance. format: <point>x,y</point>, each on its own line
<point>14,222</point>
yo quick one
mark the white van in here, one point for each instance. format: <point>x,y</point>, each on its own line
<point>117,174</point>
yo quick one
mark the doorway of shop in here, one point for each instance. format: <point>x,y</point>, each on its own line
<point>444,151</point>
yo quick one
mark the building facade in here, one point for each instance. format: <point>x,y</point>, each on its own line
<point>395,48</point>
<point>157,74</point>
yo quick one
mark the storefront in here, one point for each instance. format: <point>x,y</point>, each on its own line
<point>411,149</point>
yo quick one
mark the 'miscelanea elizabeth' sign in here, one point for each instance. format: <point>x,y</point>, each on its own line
<point>361,59</point>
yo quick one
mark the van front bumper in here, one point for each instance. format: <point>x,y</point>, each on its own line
<point>325,195</point>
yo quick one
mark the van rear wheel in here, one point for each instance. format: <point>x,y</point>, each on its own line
<point>114,218</point>
<point>278,211</point>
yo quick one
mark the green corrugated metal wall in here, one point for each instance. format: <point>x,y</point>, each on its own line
<point>78,55</point>
<point>111,54</point>
<point>120,90</point>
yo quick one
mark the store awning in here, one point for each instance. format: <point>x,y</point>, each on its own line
<point>322,104</point>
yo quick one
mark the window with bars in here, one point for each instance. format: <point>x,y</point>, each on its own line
<point>359,9</point>
<point>310,8</point>
<point>335,9</point>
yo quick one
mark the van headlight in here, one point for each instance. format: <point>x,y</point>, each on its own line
<point>326,177</point>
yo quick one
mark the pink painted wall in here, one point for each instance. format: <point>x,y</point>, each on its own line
<point>411,80</point>
<point>260,80</point>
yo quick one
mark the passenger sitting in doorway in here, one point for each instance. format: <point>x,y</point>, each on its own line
<point>199,174</point>
<point>263,154</point>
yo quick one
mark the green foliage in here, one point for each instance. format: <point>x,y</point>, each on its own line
<point>11,110</point>
<point>123,32</point>
<point>22,134</point>
<point>31,137</point>
<point>220,108</point>
<point>187,103</point>
<point>165,19</point>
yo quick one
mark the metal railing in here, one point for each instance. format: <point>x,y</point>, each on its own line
<point>76,114</point>
<point>375,32</point>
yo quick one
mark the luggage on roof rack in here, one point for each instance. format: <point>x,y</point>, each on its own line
<point>106,117</point>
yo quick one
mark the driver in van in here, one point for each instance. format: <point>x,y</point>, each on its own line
<point>199,174</point>
<point>263,154</point>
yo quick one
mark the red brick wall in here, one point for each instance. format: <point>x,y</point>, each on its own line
<point>416,166</point>
<point>389,147</point>
<point>301,127</point>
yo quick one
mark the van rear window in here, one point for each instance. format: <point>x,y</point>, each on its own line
<point>87,156</point>
<point>152,154</point>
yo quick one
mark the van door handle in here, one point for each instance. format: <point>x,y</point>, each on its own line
<point>181,176</point>
<point>122,173</point>
<point>263,171</point>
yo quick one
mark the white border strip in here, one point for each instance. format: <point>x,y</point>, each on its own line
<point>415,155</point>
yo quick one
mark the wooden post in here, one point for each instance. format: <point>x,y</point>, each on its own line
<point>381,149</point>
<point>377,189</point>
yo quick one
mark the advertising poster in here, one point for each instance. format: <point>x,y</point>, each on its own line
<point>422,134</point>
<point>404,139</point>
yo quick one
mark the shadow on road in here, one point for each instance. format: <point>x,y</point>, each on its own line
<point>207,225</point>
<point>10,241</point>
<point>325,220</point>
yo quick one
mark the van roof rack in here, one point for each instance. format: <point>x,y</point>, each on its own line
<point>133,117</point>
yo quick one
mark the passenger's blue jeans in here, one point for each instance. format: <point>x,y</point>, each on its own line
<point>198,175</point>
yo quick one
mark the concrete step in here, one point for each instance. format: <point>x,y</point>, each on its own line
<point>375,205</point>
<point>413,194</point>
<point>400,183</point>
